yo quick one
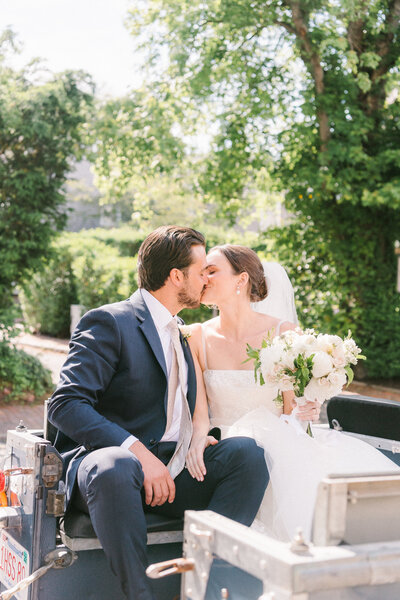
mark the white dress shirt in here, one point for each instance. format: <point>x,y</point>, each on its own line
<point>161,317</point>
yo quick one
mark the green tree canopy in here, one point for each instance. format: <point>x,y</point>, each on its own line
<point>310,91</point>
<point>41,126</point>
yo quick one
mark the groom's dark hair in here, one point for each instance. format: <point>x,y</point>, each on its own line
<point>166,248</point>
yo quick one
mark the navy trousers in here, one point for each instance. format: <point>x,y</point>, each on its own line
<point>110,482</point>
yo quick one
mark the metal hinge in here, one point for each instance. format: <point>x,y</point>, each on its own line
<point>55,503</point>
<point>51,470</point>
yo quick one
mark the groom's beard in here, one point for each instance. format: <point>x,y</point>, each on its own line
<point>187,298</point>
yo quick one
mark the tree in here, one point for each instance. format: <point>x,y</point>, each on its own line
<point>41,126</point>
<point>133,140</point>
<point>309,90</point>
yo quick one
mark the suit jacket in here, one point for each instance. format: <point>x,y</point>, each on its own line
<point>113,383</point>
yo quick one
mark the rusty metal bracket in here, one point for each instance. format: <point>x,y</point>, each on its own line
<point>51,470</point>
<point>55,503</point>
<point>170,567</point>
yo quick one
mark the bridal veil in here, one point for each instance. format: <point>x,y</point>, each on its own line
<point>280,300</point>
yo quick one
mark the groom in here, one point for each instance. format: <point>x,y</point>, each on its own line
<point>123,409</point>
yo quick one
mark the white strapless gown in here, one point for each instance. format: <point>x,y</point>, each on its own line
<point>296,462</point>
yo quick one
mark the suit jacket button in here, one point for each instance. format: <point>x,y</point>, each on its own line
<point>153,441</point>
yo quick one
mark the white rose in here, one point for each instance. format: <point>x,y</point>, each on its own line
<point>299,347</point>
<point>288,359</point>
<point>322,364</point>
<point>326,342</point>
<point>309,340</point>
<point>288,336</point>
<point>339,357</point>
<point>337,379</point>
<point>317,389</point>
<point>270,357</point>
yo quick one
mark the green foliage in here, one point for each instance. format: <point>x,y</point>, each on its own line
<point>302,373</point>
<point>309,91</point>
<point>126,240</point>
<point>103,278</point>
<point>196,315</point>
<point>81,270</point>
<point>348,284</point>
<point>102,275</point>
<point>254,355</point>
<point>92,268</point>
<point>47,296</point>
<point>40,131</point>
<point>22,376</point>
<point>41,123</point>
<point>134,140</point>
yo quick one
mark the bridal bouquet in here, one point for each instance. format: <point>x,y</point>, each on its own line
<point>314,366</point>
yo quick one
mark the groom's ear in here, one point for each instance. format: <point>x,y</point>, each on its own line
<point>176,276</point>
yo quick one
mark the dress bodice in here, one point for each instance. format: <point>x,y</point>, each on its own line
<point>233,393</point>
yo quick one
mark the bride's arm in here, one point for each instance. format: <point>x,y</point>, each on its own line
<point>288,402</point>
<point>201,422</point>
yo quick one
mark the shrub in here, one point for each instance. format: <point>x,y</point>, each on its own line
<point>126,240</point>
<point>104,277</point>
<point>99,266</point>
<point>22,376</point>
<point>80,270</point>
<point>47,297</point>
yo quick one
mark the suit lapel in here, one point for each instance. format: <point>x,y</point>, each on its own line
<point>148,328</point>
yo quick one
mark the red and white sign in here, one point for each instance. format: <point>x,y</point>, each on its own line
<point>14,563</point>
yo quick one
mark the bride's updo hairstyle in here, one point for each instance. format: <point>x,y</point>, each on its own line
<point>245,260</point>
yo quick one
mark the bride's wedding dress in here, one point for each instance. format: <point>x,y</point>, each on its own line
<point>296,462</point>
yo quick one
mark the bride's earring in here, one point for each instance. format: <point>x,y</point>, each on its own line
<point>238,290</point>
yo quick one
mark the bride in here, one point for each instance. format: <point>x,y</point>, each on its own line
<point>230,399</point>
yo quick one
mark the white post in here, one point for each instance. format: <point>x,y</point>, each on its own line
<point>76,311</point>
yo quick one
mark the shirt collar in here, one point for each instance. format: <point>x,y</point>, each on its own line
<point>159,313</point>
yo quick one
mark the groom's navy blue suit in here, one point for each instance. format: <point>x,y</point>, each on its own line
<point>113,385</point>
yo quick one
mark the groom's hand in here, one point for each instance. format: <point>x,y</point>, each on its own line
<point>158,483</point>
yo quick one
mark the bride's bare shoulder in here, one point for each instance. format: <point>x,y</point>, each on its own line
<point>194,331</point>
<point>287,326</point>
<point>270,323</point>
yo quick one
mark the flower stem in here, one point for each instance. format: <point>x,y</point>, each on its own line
<point>309,430</point>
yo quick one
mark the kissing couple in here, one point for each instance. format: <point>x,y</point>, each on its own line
<point>137,399</point>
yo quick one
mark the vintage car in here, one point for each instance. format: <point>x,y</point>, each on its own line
<point>355,550</point>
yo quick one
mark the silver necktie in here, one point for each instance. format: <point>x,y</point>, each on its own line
<point>177,462</point>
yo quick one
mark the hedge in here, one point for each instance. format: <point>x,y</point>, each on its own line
<point>98,266</point>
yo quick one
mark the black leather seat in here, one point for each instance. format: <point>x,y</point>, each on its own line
<point>77,524</point>
<point>375,417</point>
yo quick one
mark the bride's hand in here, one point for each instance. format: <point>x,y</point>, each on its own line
<point>195,456</point>
<point>308,411</point>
